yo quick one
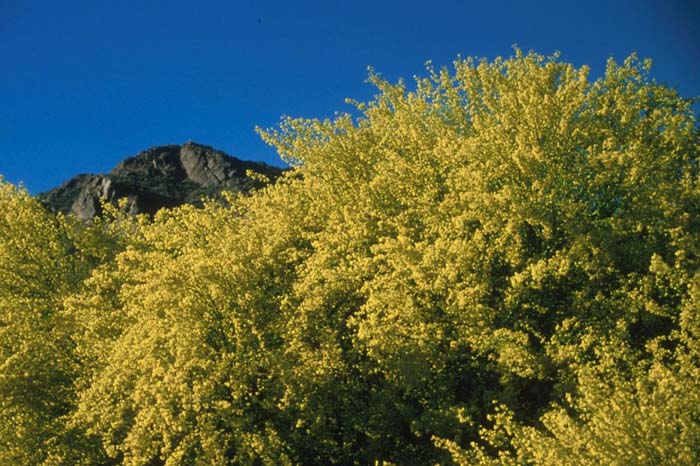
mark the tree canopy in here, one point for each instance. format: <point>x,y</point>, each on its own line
<point>497,265</point>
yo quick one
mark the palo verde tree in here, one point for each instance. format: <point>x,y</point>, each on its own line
<point>509,233</point>
<point>44,258</point>
<point>499,265</point>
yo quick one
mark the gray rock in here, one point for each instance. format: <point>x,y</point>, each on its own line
<point>163,176</point>
<point>205,168</point>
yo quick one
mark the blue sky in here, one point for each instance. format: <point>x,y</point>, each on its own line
<point>84,84</point>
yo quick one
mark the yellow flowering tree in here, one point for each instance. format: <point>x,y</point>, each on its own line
<point>495,265</point>
<point>43,259</point>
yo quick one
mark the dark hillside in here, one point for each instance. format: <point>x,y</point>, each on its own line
<point>163,176</point>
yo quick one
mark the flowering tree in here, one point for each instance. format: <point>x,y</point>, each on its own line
<point>499,266</point>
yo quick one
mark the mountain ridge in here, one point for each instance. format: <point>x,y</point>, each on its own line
<point>159,177</point>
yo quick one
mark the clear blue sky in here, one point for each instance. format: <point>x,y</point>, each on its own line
<point>86,83</point>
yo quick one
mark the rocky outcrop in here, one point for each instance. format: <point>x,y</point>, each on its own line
<point>163,176</point>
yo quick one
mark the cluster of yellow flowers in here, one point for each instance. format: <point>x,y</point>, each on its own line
<point>499,266</point>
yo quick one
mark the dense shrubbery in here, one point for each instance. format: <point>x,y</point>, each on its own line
<point>500,267</point>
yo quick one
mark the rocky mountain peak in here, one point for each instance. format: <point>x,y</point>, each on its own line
<point>162,176</point>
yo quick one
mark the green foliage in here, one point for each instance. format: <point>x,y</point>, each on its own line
<point>498,267</point>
